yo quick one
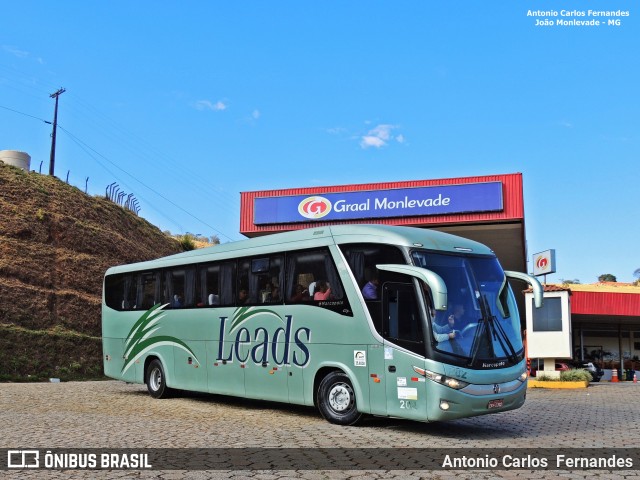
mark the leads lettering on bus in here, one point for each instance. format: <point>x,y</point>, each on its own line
<point>260,351</point>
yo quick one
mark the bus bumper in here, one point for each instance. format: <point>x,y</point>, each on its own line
<point>446,403</point>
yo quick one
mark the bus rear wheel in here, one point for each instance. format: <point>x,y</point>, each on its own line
<point>156,380</point>
<point>337,400</point>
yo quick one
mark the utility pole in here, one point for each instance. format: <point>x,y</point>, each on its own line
<point>52,161</point>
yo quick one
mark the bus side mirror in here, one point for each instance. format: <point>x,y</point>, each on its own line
<point>435,281</point>
<point>533,281</point>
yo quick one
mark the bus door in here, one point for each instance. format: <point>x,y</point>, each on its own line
<point>403,332</point>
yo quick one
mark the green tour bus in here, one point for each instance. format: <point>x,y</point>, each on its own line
<point>354,319</point>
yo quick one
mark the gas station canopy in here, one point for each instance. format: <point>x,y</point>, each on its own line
<point>488,209</point>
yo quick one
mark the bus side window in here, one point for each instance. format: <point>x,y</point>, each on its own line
<point>402,322</point>
<point>179,287</point>
<point>119,292</point>
<point>313,273</point>
<point>363,258</point>
<point>129,293</point>
<point>215,285</point>
<point>267,273</point>
<point>148,290</point>
<point>242,288</point>
<point>260,279</point>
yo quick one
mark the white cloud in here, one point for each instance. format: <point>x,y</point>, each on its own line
<point>382,131</point>
<point>380,136</point>
<point>255,114</point>
<point>208,105</point>
<point>15,52</point>
<point>372,141</point>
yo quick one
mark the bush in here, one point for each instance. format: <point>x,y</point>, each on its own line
<point>187,243</point>
<point>574,375</point>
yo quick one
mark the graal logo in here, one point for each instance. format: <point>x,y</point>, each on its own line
<point>542,263</point>
<point>314,207</point>
<point>23,459</point>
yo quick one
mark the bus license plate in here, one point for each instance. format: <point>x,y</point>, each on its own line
<point>495,404</point>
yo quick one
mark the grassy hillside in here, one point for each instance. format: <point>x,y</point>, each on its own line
<point>55,245</point>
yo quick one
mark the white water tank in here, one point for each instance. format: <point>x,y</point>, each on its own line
<point>17,159</point>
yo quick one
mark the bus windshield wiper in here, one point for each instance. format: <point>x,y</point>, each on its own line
<point>481,332</point>
<point>475,345</point>
<point>498,332</point>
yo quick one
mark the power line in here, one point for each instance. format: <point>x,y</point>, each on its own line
<point>86,147</point>
<point>26,114</point>
<point>118,134</point>
<point>170,220</point>
<point>148,154</point>
<point>144,184</point>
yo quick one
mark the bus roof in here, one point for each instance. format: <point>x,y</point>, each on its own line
<point>316,237</point>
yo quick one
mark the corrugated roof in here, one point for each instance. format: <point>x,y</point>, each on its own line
<point>611,287</point>
<point>605,303</point>
<point>606,299</point>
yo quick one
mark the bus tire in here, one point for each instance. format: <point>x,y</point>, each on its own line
<point>156,380</point>
<point>337,399</point>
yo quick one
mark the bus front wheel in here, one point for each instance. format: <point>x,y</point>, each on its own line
<point>337,400</point>
<point>156,380</point>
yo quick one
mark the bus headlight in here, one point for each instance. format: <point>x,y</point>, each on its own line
<point>523,377</point>
<point>441,379</point>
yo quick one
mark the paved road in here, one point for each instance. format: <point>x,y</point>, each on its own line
<point>113,414</point>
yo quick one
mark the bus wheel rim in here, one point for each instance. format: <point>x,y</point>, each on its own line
<point>156,379</point>
<point>340,397</point>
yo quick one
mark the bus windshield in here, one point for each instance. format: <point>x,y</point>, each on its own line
<point>481,322</point>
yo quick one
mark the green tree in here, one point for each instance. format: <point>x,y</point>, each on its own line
<point>187,241</point>
<point>607,277</point>
<point>575,281</point>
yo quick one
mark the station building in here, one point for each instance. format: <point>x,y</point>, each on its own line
<point>488,209</point>
<point>604,323</point>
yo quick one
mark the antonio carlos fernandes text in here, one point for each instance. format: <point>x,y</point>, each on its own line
<point>533,462</point>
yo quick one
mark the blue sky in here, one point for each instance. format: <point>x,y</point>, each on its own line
<point>202,100</point>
